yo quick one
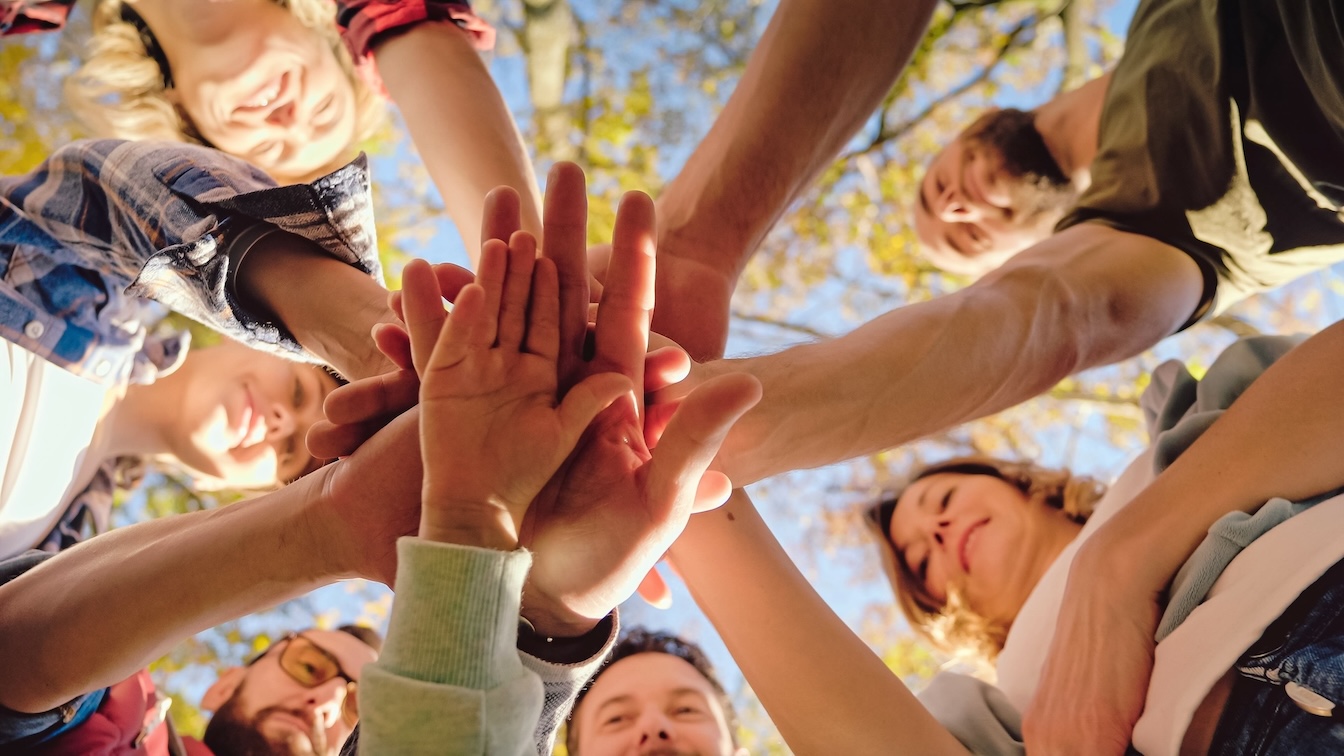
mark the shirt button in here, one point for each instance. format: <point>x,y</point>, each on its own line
<point>101,368</point>
<point>1309,700</point>
<point>34,330</point>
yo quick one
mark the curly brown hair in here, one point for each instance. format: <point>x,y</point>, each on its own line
<point>950,624</point>
<point>122,88</point>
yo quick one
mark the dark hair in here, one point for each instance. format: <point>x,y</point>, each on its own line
<point>642,641</point>
<point>370,636</point>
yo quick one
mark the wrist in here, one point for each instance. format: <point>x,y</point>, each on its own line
<point>1142,556</point>
<point>468,523</point>
<point>551,618</point>
<point>325,540</point>
<point>329,307</point>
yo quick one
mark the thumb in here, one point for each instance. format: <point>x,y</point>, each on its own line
<point>694,435</point>
<point>583,403</point>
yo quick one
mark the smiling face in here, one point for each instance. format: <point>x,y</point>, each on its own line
<point>291,717</point>
<point>651,704</point>
<point>991,193</point>
<point>269,90</point>
<point>240,416</point>
<point>977,535</point>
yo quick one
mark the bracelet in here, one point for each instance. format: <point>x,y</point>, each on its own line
<point>237,250</point>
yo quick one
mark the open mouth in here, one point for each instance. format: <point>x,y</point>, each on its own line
<point>251,424</point>
<point>268,95</point>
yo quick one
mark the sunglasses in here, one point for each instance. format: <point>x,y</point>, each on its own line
<point>310,665</point>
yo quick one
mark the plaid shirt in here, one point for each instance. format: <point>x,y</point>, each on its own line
<point>104,226</point>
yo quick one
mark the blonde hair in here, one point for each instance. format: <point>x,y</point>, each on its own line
<point>951,625</point>
<point>121,92</point>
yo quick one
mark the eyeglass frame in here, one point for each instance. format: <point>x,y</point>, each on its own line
<point>349,710</point>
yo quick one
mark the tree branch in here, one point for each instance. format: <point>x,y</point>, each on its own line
<point>895,132</point>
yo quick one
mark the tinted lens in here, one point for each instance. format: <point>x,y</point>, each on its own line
<point>309,665</point>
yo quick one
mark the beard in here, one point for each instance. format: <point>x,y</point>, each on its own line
<point>293,744</point>
<point>1036,182</point>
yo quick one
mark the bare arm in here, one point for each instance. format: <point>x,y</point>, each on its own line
<point>1280,438</point>
<point>820,70</point>
<point>1086,297</point>
<point>331,314</point>
<point>91,616</point>
<point>459,123</point>
<point>832,694</point>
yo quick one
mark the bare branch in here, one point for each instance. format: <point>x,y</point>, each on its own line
<point>887,134</point>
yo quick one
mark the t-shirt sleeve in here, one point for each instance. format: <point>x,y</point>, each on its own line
<point>31,16</point>
<point>365,23</point>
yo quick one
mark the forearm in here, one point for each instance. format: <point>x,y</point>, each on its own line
<point>97,613</point>
<point>330,312</point>
<point>1280,438</point>
<point>833,694</point>
<point>1083,298</point>
<point>819,72</point>
<point>460,125</point>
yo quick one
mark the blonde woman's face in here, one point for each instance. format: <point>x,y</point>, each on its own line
<point>269,90</point>
<point>979,535</point>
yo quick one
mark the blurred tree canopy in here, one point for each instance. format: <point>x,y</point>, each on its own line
<point>626,89</point>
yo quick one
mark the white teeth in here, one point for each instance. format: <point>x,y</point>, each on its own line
<point>265,97</point>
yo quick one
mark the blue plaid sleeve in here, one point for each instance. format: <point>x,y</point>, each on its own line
<point>103,226</point>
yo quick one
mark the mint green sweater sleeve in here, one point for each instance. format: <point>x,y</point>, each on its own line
<point>449,679</point>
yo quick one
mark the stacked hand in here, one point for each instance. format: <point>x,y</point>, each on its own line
<point>527,440</point>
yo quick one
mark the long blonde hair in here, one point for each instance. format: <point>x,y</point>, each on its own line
<point>950,624</point>
<point>120,90</point>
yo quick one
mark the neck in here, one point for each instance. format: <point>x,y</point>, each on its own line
<point>1069,124</point>
<point>128,427</point>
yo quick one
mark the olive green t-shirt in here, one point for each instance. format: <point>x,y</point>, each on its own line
<point>1222,135</point>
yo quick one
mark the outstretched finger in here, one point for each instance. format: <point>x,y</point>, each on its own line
<point>500,216</point>
<point>653,589</point>
<point>565,228</point>
<point>543,327</point>
<point>452,277</point>
<point>463,331</point>
<point>326,440</point>
<point>693,437</point>
<point>395,344</point>
<point>622,334</point>
<point>494,269</point>
<point>585,400</point>
<point>664,367</point>
<point>375,396</point>
<point>422,309</point>
<point>517,290</point>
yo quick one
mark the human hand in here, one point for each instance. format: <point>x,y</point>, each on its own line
<point>492,432</point>
<point>615,507</point>
<point>1095,679</point>
<point>365,502</point>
